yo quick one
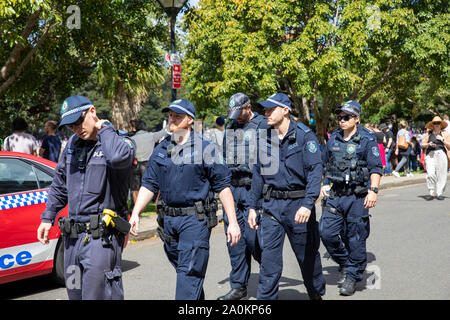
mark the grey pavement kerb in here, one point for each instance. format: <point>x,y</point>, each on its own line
<point>148,225</point>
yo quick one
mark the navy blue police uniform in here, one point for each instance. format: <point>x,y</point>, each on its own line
<point>89,178</point>
<point>186,180</point>
<point>240,158</point>
<point>344,225</point>
<point>295,184</point>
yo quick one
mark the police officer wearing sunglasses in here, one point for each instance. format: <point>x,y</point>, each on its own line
<point>91,177</point>
<point>353,168</point>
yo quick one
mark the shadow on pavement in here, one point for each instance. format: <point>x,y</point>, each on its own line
<point>129,265</point>
<point>332,275</point>
<point>27,287</point>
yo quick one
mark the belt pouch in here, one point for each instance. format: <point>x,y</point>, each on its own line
<point>94,226</point>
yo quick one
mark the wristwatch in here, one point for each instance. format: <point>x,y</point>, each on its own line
<point>106,123</point>
<point>374,189</point>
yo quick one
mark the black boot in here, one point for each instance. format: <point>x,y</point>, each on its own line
<point>342,275</point>
<point>314,296</point>
<point>235,294</point>
<point>348,287</point>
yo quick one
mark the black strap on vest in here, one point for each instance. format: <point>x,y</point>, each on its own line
<point>239,182</point>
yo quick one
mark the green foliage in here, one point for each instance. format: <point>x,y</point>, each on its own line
<point>117,40</point>
<point>321,53</point>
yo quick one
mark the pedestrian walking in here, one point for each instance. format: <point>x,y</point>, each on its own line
<point>186,179</point>
<point>51,144</point>
<point>352,176</point>
<point>381,140</point>
<point>240,151</point>
<point>20,141</point>
<point>145,143</point>
<point>92,178</point>
<point>288,205</point>
<point>415,154</point>
<point>388,148</point>
<point>436,143</point>
<point>216,134</point>
<point>403,149</point>
<point>447,128</point>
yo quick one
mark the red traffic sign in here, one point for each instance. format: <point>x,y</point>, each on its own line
<point>176,76</point>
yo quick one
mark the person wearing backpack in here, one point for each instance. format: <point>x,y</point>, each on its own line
<point>403,150</point>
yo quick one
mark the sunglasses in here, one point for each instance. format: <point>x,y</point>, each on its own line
<point>437,123</point>
<point>345,118</point>
<point>79,121</point>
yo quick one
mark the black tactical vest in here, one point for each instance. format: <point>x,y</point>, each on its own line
<point>344,168</point>
<point>245,146</point>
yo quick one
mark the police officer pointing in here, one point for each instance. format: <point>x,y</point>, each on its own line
<point>91,177</point>
<point>186,177</point>
<point>240,150</point>
<point>352,175</point>
<point>289,195</point>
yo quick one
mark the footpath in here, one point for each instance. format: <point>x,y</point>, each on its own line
<point>148,224</point>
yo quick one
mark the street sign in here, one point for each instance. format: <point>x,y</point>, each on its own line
<point>174,60</point>
<point>176,76</point>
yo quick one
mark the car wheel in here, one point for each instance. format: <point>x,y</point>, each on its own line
<point>58,263</point>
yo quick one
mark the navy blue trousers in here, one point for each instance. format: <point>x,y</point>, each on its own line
<point>345,236</point>
<point>189,255</point>
<point>242,252</point>
<point>93,272</point>
<point>305,242</point>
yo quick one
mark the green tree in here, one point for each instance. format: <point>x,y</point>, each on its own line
<point>44,58</point>
<point>321,53</point>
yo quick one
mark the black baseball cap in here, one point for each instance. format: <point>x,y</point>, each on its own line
<point>350,107</point>
<point>237,102</point>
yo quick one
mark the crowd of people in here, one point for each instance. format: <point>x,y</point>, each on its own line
<point>405,150</point>
<point>49,145</point>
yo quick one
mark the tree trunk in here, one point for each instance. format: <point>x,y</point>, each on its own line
<point>124,107</point>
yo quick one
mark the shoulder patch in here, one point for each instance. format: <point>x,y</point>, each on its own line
<point>312,146</point>
<point>128,141</point>
<point>375,151</point>
<point>303,127</point>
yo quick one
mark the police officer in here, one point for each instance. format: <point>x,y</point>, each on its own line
<point>289,195</point>
<point>241,135</point>
<point>181,169</point>
<point>352,175</point>
<point>91,176</point>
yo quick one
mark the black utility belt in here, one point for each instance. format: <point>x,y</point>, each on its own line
<point>200,210</point>
<point>71,228</point>
<point>98,225</point>
<point>269,192</point>
<point>338,191</point>
<point>174,212</point>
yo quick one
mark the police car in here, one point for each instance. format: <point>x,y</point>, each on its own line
<point>24,184</point>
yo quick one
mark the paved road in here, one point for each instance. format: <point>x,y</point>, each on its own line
<point>408,258</point>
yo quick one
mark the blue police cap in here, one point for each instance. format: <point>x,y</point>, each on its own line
<point>350,107</point>
<point>277,100</point>
<point>237,102</point>
<point>181,106</point>
<point>72,108</point>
